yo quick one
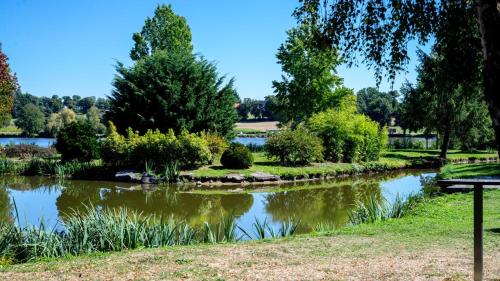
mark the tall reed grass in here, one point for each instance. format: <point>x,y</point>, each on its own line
<point>375,209</point>
<point>106,230</point>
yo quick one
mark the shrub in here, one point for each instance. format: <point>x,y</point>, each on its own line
<point>348,136</point>
<point>155,149</point>
<point>78,141</point>
<point>193,150</point>
<point>27,151</point>
<point>216,144</point>
<point>294,147</point>
<point>237,156</point>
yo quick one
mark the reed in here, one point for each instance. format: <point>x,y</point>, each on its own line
<point>104,230</point>
<point>374,210</point>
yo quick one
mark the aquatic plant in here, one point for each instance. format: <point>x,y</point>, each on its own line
<point>374,210</point>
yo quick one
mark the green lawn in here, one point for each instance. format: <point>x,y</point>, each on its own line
<point>10,130</point>
<point>390,160</point>
<point>434,242</point>
<point>454,171</point>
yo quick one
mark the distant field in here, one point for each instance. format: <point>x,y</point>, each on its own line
<point>257,126</point>
<point>10,130</point>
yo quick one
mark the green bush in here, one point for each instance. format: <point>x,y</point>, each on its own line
<point>154,149</point>
<point>193,150</point>
<point>348,136</point>
<point>216,144</point>
<point>294,147</point>
<point>78,141</point>
<point>237,156</point>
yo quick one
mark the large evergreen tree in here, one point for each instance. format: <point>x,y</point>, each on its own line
<point>172,90</point>
<point>169,87</point>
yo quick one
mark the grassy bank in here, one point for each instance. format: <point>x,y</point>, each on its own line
<point>470,170</point>
<point>390,160</point>
<point>434,242</point>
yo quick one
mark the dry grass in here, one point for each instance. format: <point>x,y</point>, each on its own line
<point>258,126</point>
<point>317,258</point>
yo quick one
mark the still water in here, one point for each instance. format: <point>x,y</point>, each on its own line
<point>329,202</point>
<point>248,140</point>
<point>42,142</point>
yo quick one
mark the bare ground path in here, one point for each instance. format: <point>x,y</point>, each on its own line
<point>341,257</point>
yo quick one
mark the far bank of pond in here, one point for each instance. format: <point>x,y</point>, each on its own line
<point>310,203</point>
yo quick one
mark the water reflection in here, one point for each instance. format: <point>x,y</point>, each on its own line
<point>309,203</point>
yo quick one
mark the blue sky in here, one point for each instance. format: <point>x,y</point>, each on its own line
<point>71,47</point>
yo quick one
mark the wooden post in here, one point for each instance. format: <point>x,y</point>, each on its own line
<point>478,185</point>
<point>478,232</point>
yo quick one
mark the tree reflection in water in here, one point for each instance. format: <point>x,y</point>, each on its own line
<point>310,203</point>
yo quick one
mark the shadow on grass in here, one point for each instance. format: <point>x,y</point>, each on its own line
<point>494,230</point>
<point>470,170</point>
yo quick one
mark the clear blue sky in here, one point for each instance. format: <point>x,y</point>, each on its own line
<point>70,47</point>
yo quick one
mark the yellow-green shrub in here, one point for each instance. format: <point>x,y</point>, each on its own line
<point>216,144</point>
<point>347,135</point>
<point>156,149</point>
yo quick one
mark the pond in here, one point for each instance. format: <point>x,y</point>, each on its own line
<point>250,140</point>
<point>42,142</point>
<point>310,203</point>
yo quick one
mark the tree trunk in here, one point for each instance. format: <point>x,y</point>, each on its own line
<point>445,144</point>
<point>489,23</point>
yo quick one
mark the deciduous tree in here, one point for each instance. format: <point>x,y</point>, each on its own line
<point>8,87</point>
<point>381,30</point>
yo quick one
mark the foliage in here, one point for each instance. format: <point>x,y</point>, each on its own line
<point>172,91</point>
<point>8,87</point>
<point>309,85</point>
<point>193,150</point>
<point>453,108</point>
<point>237,156</point>
<point>78,141</point>
<point>250,106</point>
<point>348,136</point>
<point>165,31</point>
<point>94,117</point>
<point>216,144</point>
<point>31,120</point>
<point>376,209</point>
<point>24,151</point>
<point>381,30</point>
<point>161,150</point>
<point>55,104</point>
<point>294,147</point>
<point>379,106</point>
<point>58,120</point>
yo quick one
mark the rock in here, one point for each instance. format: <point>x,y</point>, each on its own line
<point>149,179</point>
<point>237,178</point>
<point>259,177</point>
<point>128,176</point>
<point>198,183</point>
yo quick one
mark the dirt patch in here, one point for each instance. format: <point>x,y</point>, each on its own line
<point>321,258</point>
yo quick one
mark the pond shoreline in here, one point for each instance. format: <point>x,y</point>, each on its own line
<point>240,179</point>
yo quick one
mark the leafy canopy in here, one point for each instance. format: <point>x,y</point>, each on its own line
<point>8,87</point>
<point>31,120</point>
<point>165,31</point>
<point>309,84</point>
